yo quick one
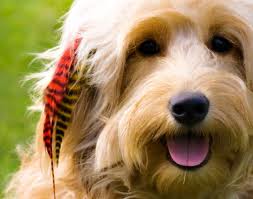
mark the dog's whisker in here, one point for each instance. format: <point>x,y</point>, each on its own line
<point>185,176</point>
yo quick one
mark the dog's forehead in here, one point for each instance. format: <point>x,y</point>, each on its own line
<point>204,14</point>
<point>116,15</point>
<point>189,8</point>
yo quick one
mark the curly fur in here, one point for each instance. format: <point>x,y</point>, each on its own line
<point>113,149</point>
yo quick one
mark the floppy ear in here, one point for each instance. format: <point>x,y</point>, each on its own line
<point>241,27</point>
<point>247,45</point>
<point>60,98</point>
<point>243,30</point>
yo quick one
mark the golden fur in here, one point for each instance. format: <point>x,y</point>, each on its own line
<point>113,149</point>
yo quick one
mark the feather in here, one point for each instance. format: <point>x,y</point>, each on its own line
<point>55,94</point>
<point>65,110</point>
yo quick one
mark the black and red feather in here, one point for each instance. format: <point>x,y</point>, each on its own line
<point>55,93</point>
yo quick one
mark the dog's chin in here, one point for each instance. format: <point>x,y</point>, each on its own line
<point>188,151</point>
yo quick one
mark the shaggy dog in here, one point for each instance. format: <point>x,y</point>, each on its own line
<point>166,110</point>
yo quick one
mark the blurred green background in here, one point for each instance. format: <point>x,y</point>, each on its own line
<point>25,27</point>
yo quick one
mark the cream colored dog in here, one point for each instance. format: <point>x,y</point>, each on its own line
<point>168,111</point>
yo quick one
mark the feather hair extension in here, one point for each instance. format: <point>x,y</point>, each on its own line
<point>60,97</point>
<point>64,111</point>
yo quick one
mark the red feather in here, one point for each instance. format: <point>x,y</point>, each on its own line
<point>54,94</point>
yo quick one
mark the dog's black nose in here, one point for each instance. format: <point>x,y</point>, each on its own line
<point>189,108</point>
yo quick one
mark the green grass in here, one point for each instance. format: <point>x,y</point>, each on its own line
<point>26,27</point>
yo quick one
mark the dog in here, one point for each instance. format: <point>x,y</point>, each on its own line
<point>165,107</point>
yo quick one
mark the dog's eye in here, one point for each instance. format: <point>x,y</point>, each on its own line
<point>149,48</point>
<point>220,44</point>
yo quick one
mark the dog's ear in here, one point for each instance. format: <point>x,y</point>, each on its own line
<point>239,27</point>
<point>247,48</point>
<point>244,31</point>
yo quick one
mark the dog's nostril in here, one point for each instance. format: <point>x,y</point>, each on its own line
<point>178,109</point>
<point>200,108</point>
<point>189,108</point>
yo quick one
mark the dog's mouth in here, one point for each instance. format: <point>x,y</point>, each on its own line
<point>189,151</point>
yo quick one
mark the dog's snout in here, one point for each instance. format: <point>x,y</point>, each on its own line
<point>189,108</point>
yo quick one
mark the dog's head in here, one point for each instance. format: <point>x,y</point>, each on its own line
<point>171,83</point>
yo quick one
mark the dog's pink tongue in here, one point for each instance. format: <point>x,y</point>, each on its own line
<point>188,150</point>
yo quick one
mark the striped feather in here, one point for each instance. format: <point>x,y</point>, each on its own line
<point>56,93</point>
<point>64,112</point>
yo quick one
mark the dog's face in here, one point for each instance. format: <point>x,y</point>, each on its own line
<point>184,119</point>
<point>164,108</point>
